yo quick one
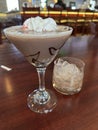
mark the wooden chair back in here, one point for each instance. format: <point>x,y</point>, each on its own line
<point>30,12</point>
<point>55,13</point>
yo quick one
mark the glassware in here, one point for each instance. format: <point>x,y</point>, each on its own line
<point>68,75</point>
<point>40,49</point>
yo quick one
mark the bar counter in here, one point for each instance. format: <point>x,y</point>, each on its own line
<point>71,18</point>
<point>45,13</point>
<point>76,112</point>
<point>64,13</point>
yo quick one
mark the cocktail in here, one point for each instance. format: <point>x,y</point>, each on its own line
<point>40,46</point>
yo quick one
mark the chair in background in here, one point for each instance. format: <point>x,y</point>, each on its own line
<point>88,20</point>
<point>55,13</point>
<point>95,17</point>
<point>30,12</point>
<point>80,21</point>
<point>64,18</point>
<point>94,25</point>
<point>72,17</point>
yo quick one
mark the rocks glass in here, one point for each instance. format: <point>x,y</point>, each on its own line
<point>68,75</point>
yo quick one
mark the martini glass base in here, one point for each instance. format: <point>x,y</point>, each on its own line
<point>42,101</point>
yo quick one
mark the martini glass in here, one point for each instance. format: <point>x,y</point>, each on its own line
<point>40,49</point>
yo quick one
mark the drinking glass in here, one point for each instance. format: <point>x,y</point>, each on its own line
<point>68,75</point>
<point>40,49</point>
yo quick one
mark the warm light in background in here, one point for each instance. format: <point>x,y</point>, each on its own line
<point>8,85</point>
<point>29,0</point>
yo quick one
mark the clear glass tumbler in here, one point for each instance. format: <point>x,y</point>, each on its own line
<point>68,75</point>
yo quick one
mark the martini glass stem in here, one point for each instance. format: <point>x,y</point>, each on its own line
<point>42,95</point>
<point>41,76</point>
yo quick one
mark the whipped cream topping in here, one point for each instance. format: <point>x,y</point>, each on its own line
<point>39,24</point>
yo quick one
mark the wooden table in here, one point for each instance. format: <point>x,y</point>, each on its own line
<point>76,112</point>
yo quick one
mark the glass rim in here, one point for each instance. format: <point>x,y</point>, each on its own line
<point>69,57</point>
